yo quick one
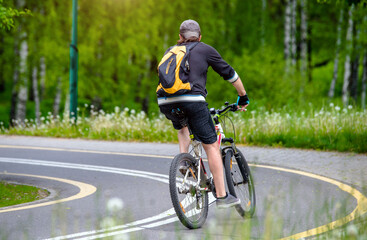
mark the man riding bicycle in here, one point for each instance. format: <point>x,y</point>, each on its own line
<point>193,104</point>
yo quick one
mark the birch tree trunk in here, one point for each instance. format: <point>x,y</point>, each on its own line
<point>347,70</point>
<point>36,94</point>
<point>354,78</point>
<point>57,99</point>
<point>294,32</point>
<point>2,79</point>
<point>67,107</point>
<point>355,67</point>
<point>42,77</point>
<point>336,59</point>
<point>20,111</point>
<point>14,92</point>
<point>263,18</point>
<point>304,38</point>
<point>287,35</point>
<point>364,80</point>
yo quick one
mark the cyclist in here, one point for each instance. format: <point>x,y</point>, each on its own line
<point>195,107</point>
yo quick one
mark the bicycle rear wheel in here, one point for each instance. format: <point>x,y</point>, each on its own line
<point>240,182</point>
<point>191,206</point>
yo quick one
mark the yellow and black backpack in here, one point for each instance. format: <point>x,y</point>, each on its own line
<point>173,71</point>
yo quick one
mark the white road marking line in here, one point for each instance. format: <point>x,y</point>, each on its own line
<point>136,173</point>
<point>154,176</point>
<point>360,209</point>
<point>136,228</point>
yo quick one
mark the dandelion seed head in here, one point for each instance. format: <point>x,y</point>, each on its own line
<point>123,236</point>
<point>115,204</point>
<point>350,107</point>
<point>337,108</point>
<point>352,230</point>
<point>331,104</point>
<point>108,222</point>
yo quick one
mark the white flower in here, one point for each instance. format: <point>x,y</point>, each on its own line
<point>350,107</point>
<point>352,230</point>
<point>86,105</point>
<point>337,108</point>
<point>123,236</point>
<point>331,104</point>
<point>115,204</point>
<point>108,222</point>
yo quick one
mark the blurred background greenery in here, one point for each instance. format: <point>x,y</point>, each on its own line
<point>287,52</point>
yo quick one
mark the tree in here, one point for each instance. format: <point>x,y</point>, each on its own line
<point>287,34</point>
<point>36,97</point>
<point>336,58</point>
<point>22,84</point>
<point>347,65</point>
<point>294,32</point>
<point>364,80</point>
<point>304,38</point>
<point>8,14</point>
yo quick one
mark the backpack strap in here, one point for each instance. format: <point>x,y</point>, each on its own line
<point>191,46</point>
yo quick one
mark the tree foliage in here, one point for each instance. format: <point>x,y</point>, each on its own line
<point>121,42</point>
<point>7,15</point>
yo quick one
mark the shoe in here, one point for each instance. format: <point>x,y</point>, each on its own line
<point>228,201</point>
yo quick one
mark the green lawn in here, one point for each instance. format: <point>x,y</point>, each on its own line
<point>13,194</point>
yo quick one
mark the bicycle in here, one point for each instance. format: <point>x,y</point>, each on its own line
<point>189,183</point>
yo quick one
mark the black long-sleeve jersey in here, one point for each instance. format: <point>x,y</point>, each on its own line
<point>203,56</point>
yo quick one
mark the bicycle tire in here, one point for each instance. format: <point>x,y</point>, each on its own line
<point>191,209</point>
<point>240,182</point>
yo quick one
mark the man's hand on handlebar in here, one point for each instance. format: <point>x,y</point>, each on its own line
<point>243,102</point>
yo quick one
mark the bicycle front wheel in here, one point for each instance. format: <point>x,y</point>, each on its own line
<point>191,205</point>
<point>240,182</point>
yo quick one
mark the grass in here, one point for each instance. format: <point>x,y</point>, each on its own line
<point>12,194</point>
<point>328,128</point>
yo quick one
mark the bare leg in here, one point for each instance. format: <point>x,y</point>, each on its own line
<point>184,139</point>
<point>216,167</point>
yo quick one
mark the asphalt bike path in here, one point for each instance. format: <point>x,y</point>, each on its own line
<point>86,175</point>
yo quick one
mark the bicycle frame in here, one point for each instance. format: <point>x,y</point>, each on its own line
<point>197,150</point>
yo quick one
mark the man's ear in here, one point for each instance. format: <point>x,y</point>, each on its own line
<point>180,36</point>
<point>200,37</point>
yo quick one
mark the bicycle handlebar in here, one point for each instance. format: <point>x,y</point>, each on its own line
<point>229,107</point>
<point>219,112</point>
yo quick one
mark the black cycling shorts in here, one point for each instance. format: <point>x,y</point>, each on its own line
<point>199,119</point>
